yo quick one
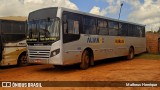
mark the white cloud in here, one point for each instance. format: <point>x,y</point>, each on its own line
<point>23,7</point>
<point>64,3</point>
<point>96,10</point>
<point>147,13</point>
<point>112,8</point>
<point>134,3</point>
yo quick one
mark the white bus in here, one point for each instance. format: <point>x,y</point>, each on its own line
<point>12,42</point>
<point>61,36</point>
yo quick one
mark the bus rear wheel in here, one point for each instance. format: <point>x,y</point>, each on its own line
<point>85,59</point>
<point>130,54</point>
<point>22,60</point>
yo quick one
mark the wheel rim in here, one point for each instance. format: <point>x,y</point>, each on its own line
<point>23,60</point>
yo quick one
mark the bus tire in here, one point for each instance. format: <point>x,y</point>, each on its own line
<point>131,53</point>
<point>22,59</point>
<point>85,59</point>
<point>57,66</point>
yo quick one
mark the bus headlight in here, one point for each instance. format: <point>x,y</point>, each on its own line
<point>55,52</point>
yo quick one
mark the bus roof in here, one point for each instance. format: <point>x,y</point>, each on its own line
<point>14,18</point>
<point>88,14</point>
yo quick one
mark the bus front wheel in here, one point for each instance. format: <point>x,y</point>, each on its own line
<point>22,60</point>
<point>85,59</point>
<point>130,54</point>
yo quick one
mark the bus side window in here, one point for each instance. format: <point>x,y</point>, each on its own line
<point>65,24</point>
<point>120,30</point>
<point>123,29</point>
<point>76,27</point>
<point>102,27</point>
<point>131,32</point>
<point>143,31</point>
<point>139,31</point>
<point>89,25</point>
<point>65,28</point>
<point>73,27</point>
<point>113,28</point>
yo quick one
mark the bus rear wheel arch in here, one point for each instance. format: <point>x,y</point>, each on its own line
<point>130,53</point>
<point>87,59</point>
<point>22,59</point>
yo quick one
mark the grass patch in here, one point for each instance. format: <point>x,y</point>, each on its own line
<point>148,56</point>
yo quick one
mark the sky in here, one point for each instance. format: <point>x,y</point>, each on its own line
<point>145,12</point>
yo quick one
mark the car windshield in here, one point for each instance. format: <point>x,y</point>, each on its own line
<point>43,30</point>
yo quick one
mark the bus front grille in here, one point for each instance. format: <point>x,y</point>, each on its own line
<point>39,54</point>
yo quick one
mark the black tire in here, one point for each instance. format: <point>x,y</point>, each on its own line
<point>130,54</point>
<point>57,66</point>
<point>85,60</point>
<point>22,60</point>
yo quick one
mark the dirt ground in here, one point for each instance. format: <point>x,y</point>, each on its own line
<point>115,69</point>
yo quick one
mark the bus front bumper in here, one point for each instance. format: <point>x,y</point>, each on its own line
<point>39,61</point>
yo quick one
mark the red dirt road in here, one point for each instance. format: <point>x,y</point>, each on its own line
<point>105,70</point>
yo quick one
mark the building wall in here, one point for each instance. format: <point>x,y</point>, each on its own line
<point>152,43</point>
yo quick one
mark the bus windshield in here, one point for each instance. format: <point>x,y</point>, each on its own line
<point>43,30</point>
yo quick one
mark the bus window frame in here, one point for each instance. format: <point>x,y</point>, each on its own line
<point>67,37</point>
